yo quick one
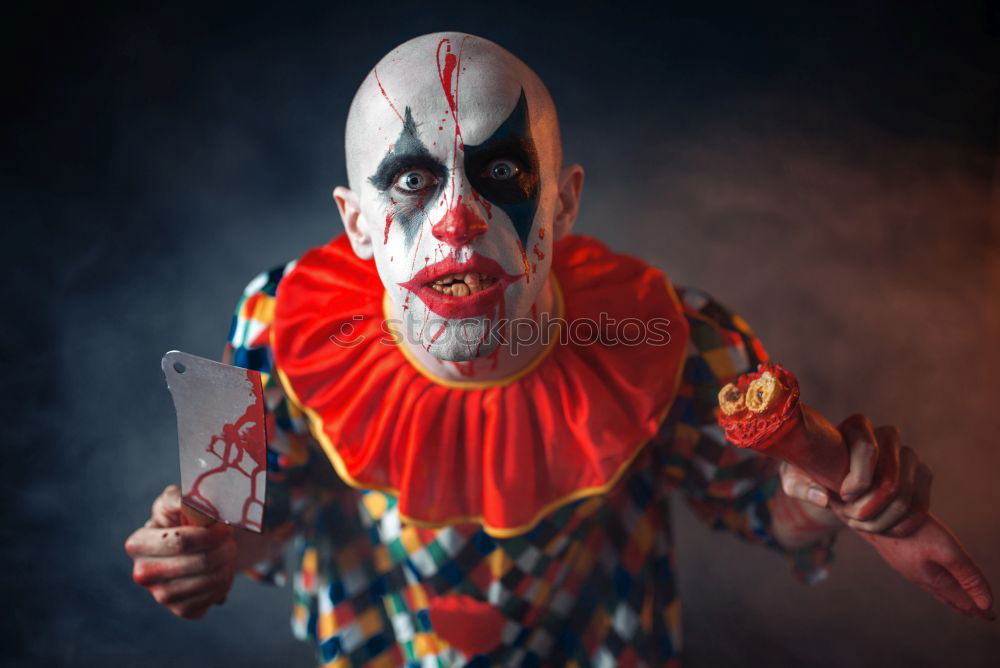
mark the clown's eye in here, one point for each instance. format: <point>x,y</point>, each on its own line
<point>502,170</point>
<point>415,180</point>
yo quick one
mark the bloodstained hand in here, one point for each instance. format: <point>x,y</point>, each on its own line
<point>187,569</point>
<point>887,488</point>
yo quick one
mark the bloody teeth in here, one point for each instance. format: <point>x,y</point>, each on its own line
<point>463,284</point>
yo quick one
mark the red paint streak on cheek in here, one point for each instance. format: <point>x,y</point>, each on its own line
<point>538,252</point>
<point>524,261</point>
<point>413,263</point>
<point>541,232</point>
<point>485,203</point>
<point>388,221</point>
<point>388,224</point>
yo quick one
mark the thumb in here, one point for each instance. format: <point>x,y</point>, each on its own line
<point>167,509</point>
<point>796,484</point>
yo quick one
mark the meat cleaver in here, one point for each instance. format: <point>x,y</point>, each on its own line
<point>222,437</point>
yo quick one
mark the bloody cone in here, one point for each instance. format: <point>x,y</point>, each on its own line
<point>762,411</point>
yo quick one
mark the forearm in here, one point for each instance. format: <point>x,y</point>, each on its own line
<point>797,524</point>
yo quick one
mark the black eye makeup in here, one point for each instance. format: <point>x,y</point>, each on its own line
<point>504,169</point>
<point>408,157</point>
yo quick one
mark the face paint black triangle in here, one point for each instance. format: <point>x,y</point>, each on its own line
<point>516,196</point>
<point>408,152</point>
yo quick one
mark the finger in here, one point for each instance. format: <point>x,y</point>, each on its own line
<point>970,611</point>
<point>898,507</point>
<point>943,585</point>
<point>886,479</point>
<point>167,507</point>
<point>796,484</point>
<point>183,590</point>
<point>919,506</point>
<point>156,542</point>
<point>152,570</point>
<point>862,444</point>
<point>196,608</point>
<point>971,580</point>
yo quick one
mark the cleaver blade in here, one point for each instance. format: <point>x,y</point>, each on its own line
<point>222,438</point>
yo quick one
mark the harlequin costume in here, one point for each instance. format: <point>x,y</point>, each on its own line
<point>523,521</point>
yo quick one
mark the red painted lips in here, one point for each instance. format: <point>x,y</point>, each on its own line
<point>461,305</point>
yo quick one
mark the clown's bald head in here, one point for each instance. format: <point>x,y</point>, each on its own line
<point>456,184</point>
<point>488,87</point>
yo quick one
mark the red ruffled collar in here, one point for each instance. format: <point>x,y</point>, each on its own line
<point>503,453</point>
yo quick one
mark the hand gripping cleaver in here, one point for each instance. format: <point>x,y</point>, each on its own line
<point>222,438</point>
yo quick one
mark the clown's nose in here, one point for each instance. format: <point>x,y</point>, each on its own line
<point>459,226</point>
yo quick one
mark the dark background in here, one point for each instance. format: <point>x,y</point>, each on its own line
<point>829,172</point>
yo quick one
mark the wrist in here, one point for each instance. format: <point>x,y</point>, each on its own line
<point>255,548</point>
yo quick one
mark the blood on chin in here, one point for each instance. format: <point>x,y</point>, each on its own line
<point>456,340</point>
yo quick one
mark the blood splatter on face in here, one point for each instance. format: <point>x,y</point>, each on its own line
<point>459,185</point>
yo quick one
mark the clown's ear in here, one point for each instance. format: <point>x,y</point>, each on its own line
<point>354,222</point>
<point>568,204</point>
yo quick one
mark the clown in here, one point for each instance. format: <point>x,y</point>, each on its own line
<point>479,417</point>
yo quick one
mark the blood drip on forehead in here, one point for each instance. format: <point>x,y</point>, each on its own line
<point>455,227</point>
<point>446,74</point>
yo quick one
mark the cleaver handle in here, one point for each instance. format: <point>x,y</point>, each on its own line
<point>192,517</point>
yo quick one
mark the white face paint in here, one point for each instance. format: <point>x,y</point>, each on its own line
<point>452,149</point>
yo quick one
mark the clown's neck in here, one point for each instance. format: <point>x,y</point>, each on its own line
<point>502,364</point>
